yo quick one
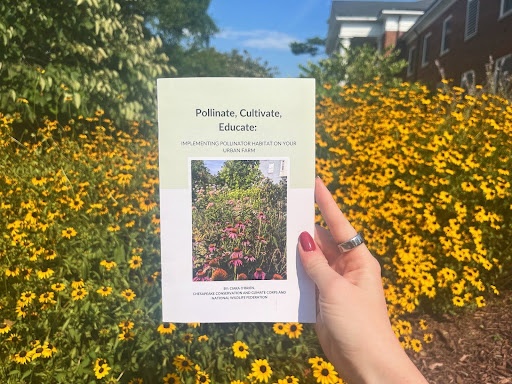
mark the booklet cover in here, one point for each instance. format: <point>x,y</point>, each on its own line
<point>237,169</point>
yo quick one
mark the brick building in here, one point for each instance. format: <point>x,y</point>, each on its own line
<point>375,23</point>
<point>461,35</point>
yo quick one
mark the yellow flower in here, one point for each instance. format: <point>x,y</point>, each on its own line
<point>128,294</point>
<point>172,378</point>
<point>78,294</point>
<point>5,327</point>
<point>22,357</point>
<point>288,380</point>
<point>68,232</point>
<point>126,325</point>
<point>108,265</point>
<point>46,297</point>
<point>240,349</point>
<point>293,330</point>
<point>261,370</point>
<point>135,262</point>
<point>104,291</point>
<point>202,338</point>
<point>325,373</point>
<point>202,378</point>
<point>182,363</point>
<point>44,273</point>
<point>101,368</point>
<point>279,328</point>
<point>166,328</point>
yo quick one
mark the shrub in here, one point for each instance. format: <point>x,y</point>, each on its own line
<point>427,178</point>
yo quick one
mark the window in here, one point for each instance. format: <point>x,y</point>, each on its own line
<point>270,168</point>
<point>506,7</point>
<point>425,57</point>
<point>472,18</point>
<point>447,34</point>
<point>467,80</point>
<point>412,58</point>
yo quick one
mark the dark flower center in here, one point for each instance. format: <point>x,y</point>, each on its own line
<point>241,348</point>
<point>202,379</point>
<point>263,369</point>
<point>325,372</point>
<point>293,328</point>
<point>23,353</point>
<point>39,350</point>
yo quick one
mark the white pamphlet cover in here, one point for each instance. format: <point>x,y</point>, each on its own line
<point>237,169</point>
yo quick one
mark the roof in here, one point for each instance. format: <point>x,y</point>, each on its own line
<point>374,8</point>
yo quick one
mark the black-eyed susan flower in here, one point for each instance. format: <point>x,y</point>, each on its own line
<point>38,180</point>
<point>78,294</point>
<point>45,273</point>
<point>135,262</point>
<point>279,329</point>
<point>126,335</point>
<point>172,378</point>
<point>288,380</point>
<point>12,271</point>
<point>182,363</point>
<point>416,345</point>
<point>69,232</point>
<point>108,265</point>
<point>166,328</point>
<point>260,370</point>
<point>113,228</point>
<point>101,368</point>
<point>203,338</point>
<point>14,338</point>
<point>202,378</point>
<point>126,325</point>
<point>240,349</point>
<point>187,337</point>
<point>325,373</point>
<point>104,291</point>
<point>128,294</point>
<point>5,327</point>
<point>46,297</point>
<point>27,297</point>
<point>428,337</point>
<point>22,357</point>
<point>293,330</point>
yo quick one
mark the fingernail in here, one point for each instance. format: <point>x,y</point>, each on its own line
<point>306,241</point>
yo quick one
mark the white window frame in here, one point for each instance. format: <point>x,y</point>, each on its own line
<point>467,33</point>
<point>445,49</point>
<point>425,49</point>
<point>505,12</point>
<point>411,61</point>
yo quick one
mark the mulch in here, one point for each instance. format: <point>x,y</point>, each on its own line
<point>472,347</point>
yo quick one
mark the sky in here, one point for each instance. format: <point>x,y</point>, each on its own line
<point>265,28</point>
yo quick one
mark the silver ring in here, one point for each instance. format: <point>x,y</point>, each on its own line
<point>352,243</point>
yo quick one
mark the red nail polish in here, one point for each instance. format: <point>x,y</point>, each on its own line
<point>306,241</point>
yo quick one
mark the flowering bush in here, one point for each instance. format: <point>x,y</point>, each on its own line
<point>80,267</point>
<point>428,179</point>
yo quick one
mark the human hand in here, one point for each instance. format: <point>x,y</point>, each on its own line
<point>353,326</point>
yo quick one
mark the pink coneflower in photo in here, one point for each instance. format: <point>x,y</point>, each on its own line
<point>201,276</point>
<point>250,258</point>
<point>211,248</point>
<point>242,276</point>
<point>237,253</point>
<point>259,274</point>
<point>209,205</point>
<point>236,262</point>
<point>261,216</point>
<point>240,225</point>
<point>219,275</point>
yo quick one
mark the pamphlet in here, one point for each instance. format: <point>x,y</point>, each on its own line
<point>237,170</point>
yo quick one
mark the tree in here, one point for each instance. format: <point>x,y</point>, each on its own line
<point>76,56</point>
<point>310,47</point>
<point>201,177</point>
<point>240,174</point>
<point>209,62</point>
<point>356,66</point>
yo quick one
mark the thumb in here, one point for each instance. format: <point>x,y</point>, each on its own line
<point>316,265</point>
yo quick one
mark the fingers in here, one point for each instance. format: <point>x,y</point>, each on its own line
<point>315,263</point>
<point>339,227</point>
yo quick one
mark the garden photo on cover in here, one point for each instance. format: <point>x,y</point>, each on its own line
<point>239,219</point>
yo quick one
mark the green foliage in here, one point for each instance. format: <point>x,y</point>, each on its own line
<point>356,66</point>
<point>72,57</point>
<point>209,62</point>
<point>310,47</point>
<point>240,174</point>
